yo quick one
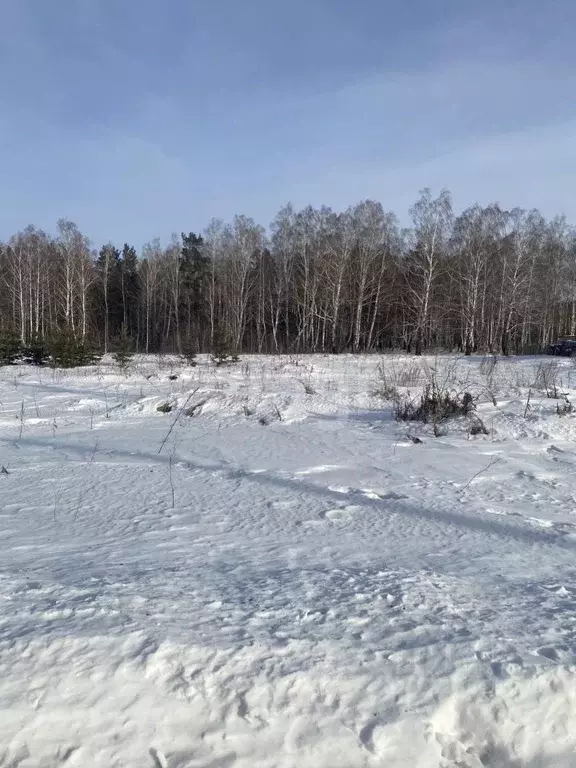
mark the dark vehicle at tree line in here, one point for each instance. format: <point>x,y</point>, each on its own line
<point>563,347</point>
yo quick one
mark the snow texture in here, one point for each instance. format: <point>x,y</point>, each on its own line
<point>292,581</point>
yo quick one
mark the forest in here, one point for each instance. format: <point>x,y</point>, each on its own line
<point>486,280</point>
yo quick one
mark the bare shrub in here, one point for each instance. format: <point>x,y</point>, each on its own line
<point>443,374</point>
<point>386,391</point>
<point>161,361</point>
<point>193,410</point>
<point>565,409</point>
<point>266,419</point>
<point>488,365</point>
<point>307,384</point>
<point>434,405</point>
<point>488,369</point>
<point>547,378</point>
<point>478,427</point>
<point>390,377</point>
<point>519,378</point>
<point>440,400</point>
<point>409,375</point>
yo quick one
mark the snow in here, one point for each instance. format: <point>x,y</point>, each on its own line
<point>288,581</point>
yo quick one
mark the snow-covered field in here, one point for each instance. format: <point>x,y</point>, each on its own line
<point>285,579</point>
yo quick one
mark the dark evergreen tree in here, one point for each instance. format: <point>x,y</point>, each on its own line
<point>10,347</point>
<point>67,350</point>
<point>194,269</point>
<point>222,350</point>
<point>123,350</point>
<point>108,292</point>
<point>36,352</point>
<point>188,351</point>
<point>130,290</point>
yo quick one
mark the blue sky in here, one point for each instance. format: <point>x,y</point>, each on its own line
<point>136,118</point>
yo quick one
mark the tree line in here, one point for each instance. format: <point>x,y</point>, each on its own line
<point>318,281</point>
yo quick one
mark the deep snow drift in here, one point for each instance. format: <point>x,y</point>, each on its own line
<point>292,582</point>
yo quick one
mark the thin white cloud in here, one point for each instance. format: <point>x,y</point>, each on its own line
<point>526,168</point>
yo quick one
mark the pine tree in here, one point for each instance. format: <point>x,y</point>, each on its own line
<point>123,351</point>
<point>189,351</point>
<point>194,268</point>
<point>36,352</point>
<point>222,351</point>
<point>70,351</point>
<point>108,291</point>
<point>10,347</point>
<point>130,289</point>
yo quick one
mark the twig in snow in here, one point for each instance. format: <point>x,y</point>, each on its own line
<point>413,439</point>
<point>527,403</point>
<point>480,471</point>
<point>35,402</point>
<point>57,496</point>
<point>81,499</point>
<point>308,388</point>
<point>21,420</point>
<point>93,452</point>
<point>170,478</point>
<point>78,505</point>
<point>178,414</point>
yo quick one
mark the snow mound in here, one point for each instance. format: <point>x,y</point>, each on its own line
<point>144,702</point>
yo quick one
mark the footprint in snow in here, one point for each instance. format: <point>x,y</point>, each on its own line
<point>368,493</point>
<point>282,504</point>
<point>340,513</point>
<point>548,652</point>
